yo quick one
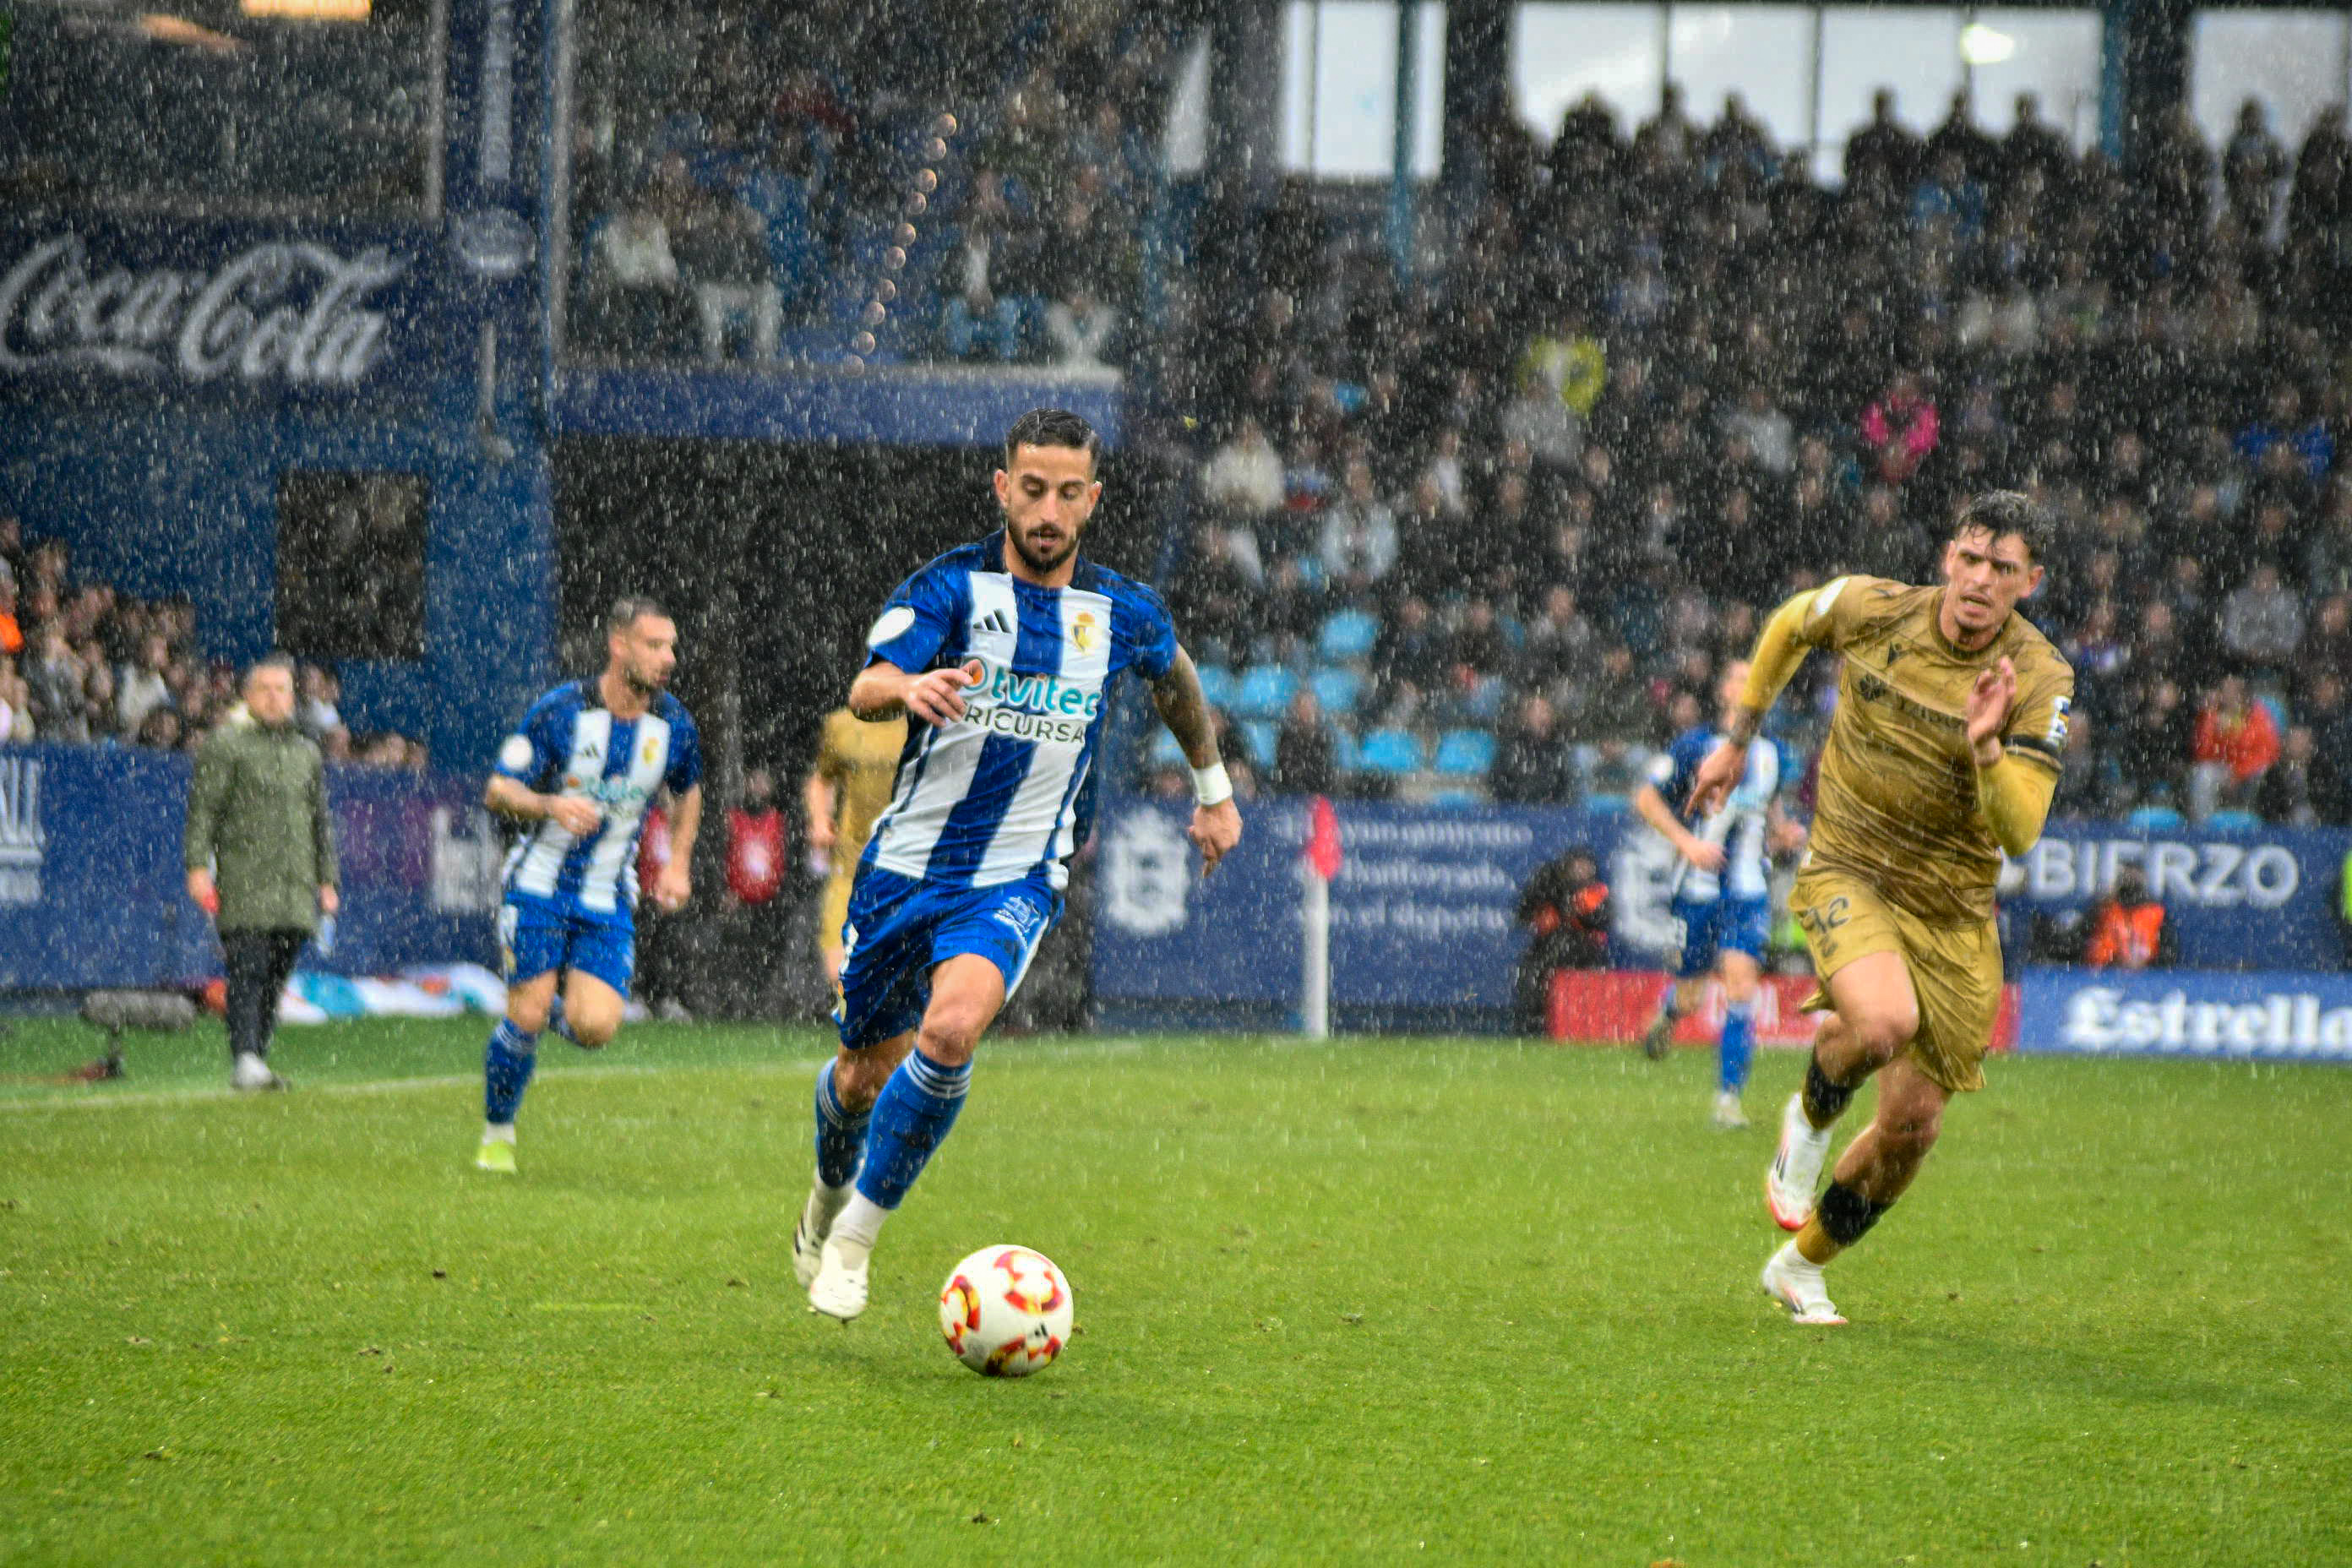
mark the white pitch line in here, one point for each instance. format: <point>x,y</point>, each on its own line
<point>134,1099</point>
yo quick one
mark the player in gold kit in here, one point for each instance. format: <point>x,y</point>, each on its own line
<point>1942,755</point>
<point>846,790</point>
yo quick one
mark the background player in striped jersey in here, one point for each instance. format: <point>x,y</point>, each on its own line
<point>1001,654</point>
<point>1722,897</point>
<point>580,775</point>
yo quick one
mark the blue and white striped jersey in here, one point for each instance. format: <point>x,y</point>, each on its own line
<point>571,744</point>
<point>1000,794</point>
<point>1738,824</point>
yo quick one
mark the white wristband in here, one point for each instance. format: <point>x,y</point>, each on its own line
<point>1211,787</point>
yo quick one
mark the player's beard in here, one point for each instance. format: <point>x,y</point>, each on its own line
<point>643,684</point>
<point>1044,565</point>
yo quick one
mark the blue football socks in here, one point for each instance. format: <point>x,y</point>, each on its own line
<point>1736,1045</point>
<point>911,1116</point>
<point>506,1069</point>
<point>840,1136</point>
<point>557,1021</point>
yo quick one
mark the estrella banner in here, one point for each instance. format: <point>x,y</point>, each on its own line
<point>1422,928</point>
<point>2248,1016</point>
<point>93,893</point>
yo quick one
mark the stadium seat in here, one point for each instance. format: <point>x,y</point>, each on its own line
<point>2233,821</point>
<point>1347,755</point>
<point>1606,805</point>
<point>2153,819</point>
<point>1336,689</point>
<point>1261,734</point>
<point>1348,634</point>
<point>1457,799</point>
<point>1218,685</point>
<point>1389,752</point>
<point>1264,691</point>
<point>1465,753</point>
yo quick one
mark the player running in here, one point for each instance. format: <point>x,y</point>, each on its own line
<point>1721,896</point>
<point>580,774</point>
<point>1001,654</point>
<point>1942,755</point>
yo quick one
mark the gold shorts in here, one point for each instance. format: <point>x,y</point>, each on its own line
<point>833,912</point>
<point>1955,969</point>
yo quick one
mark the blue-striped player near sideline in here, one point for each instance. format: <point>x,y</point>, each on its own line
<point>1001,654</point>
<point>1721,893</point>
<point>578,777</point>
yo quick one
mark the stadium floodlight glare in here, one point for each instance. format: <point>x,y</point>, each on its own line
<point>1983,46</point>
<point>309,10</point>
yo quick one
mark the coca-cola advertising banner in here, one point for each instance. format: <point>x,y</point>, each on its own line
<point>104,308</point>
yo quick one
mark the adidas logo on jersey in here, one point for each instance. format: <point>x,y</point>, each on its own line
<point>995,621</point>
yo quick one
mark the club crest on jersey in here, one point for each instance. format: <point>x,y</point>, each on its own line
<point>646,752</point>
<point>1086,632</point>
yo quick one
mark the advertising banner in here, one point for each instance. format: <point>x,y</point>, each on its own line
<point>1617,1005</point>
<point>1422,927</point>
<point>2253,1015</point>
<point>92,889</point>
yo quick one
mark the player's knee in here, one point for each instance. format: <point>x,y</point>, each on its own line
<point>595,1033</point>
<point>1908,1136</point>
<point>528,1014</point>
<point>1882,1036</point>
<point>950,1040</point>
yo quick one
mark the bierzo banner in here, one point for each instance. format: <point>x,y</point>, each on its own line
<point>1423,929</point>
<point>92,892</point>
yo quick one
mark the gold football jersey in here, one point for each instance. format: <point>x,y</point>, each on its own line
<point>1896,799</point>
<point>860,761</point>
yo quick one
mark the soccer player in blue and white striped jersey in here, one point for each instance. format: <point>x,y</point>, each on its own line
<point>1001,654</point>
<point>578,776</point>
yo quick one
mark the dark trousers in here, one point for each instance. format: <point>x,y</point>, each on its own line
<point>258,964</point>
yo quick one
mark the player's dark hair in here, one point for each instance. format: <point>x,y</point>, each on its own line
<point>271,660</point>
<point>627,609</point>
<point>2004,513</point>
<point>1052,428</point>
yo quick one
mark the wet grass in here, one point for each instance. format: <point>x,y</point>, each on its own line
<point>1403,1299</point>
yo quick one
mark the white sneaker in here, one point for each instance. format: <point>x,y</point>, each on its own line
<point>1796,1167</point>
<point>250,1073</point>
<point>839,1289</point>
<point>815,1224</point>
<point>1728,1116</point>
<point>1796,1284</point>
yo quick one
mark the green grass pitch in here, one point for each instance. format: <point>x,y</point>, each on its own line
<point>1370,1301</point>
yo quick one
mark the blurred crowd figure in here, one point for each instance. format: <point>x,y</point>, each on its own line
<point>771,185</point>
<point>1653,383</point>
<point>82,664</point>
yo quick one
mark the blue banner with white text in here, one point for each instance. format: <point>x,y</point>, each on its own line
<point>2253,1014</point>
<point>93,892</point>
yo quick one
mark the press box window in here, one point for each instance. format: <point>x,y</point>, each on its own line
<point>350,565</point>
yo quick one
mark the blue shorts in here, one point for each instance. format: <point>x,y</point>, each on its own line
<point>899,930</point>
<point>534,938</point>
<point>1740,925</point>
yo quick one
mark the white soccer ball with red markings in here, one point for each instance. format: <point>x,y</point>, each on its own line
<point>1005,1311</point>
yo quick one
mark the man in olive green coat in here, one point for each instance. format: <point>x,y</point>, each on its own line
<point>258,811</point>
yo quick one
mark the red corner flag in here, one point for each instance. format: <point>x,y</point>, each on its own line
<point>1323,839</point>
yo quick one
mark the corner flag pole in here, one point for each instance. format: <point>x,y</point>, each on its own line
<point>1321,863</point>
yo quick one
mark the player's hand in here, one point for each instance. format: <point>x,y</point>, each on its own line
<point>1720,774</point>
<point>673,887</point>
<point>203,893</point>
<point>1707,856</point>
<point>820,833</point>
<point>1215,830</point>
<point>1788,838</point>
<point>330,900</point>
<point>576,816</point>
<point>1990,700</point>
<point>936,695</point>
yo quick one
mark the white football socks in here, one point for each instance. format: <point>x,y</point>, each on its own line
<point>859,1226</point>
<point>497,1132</point>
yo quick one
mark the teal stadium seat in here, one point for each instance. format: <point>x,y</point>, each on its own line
<point>2233,821</point>
<point>1264,691</point>
<point>1337,689</point>
<point>1389,752</point>
<point>2153,819</point>
<point>1348,634</point>
<point>1218,685</point>
<point>1260,734</point>
<point>1464,753</point>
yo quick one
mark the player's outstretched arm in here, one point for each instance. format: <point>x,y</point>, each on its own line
<point>883,690</point>
<point>1184,709</point>
<point>1654,810</point>
<point>1780,651</point>
<point>676,883</point>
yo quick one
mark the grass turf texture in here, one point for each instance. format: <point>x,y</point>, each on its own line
<point>1452,1300</point>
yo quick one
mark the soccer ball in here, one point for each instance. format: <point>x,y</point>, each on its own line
<point>1005,1311</point>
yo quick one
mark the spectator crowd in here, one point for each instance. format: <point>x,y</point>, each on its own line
<point>82,664</point>
<point>1492,532</point>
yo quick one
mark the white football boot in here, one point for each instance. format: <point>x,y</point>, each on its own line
<point>249,1074</point>
<point>839,1289</point>
<point>1796,1167</point>
<point>1728,1116</point>
<point>1796,1284</point>
<point>815,1223</point>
